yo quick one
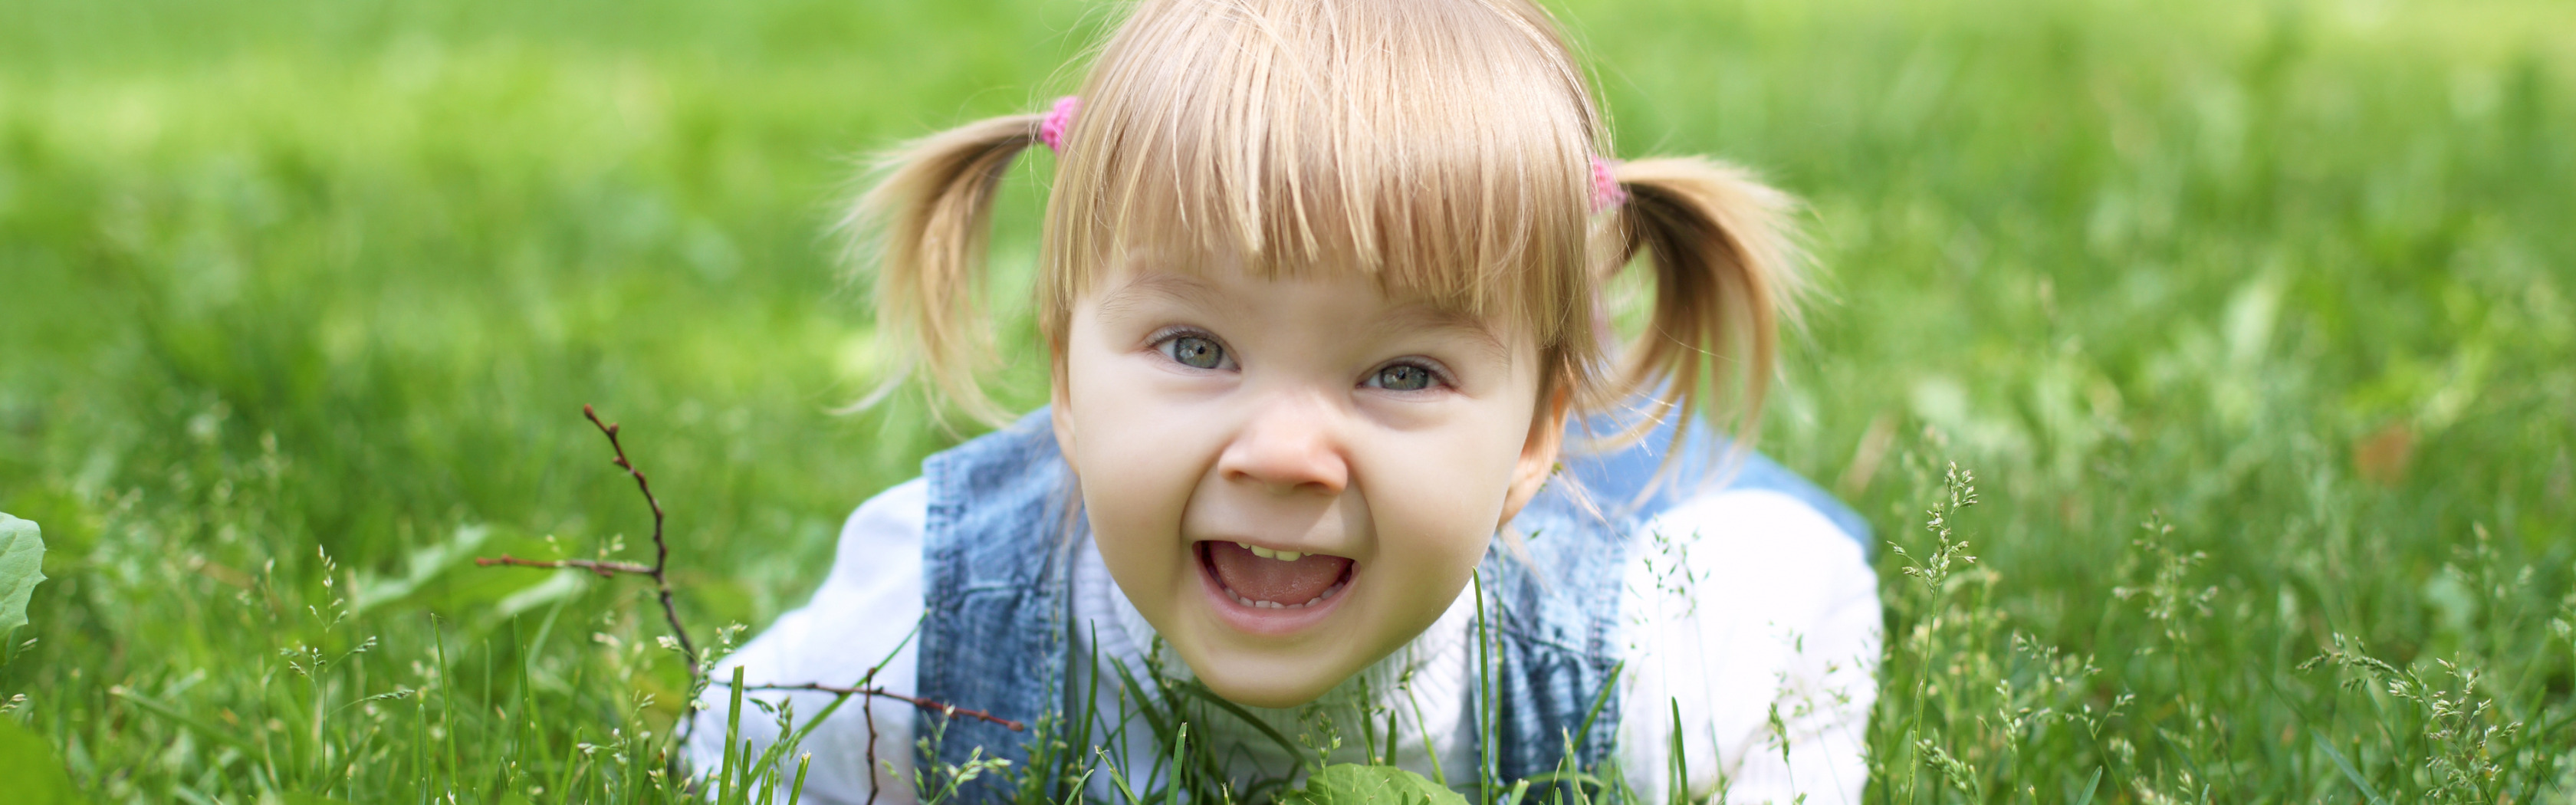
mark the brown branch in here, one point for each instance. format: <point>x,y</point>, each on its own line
<point>604,568</point>
<point>881,693</point>
<point>868,713</point>
<point>661,549</point>
<point>662,584</point>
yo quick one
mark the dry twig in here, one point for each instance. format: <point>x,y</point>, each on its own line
<point>605,568</point>
<point>688,650</point>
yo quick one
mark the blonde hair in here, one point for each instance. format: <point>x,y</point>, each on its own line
<point>1443,147</point>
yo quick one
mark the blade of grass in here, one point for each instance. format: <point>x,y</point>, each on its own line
<point>796,791</point>
<point>1598,701</point>
<point>1118,780</point>
<point>1153,718</point>
<point>1180,752</point>
<point>1295,753</point>
<point>2091,786</point>
<point>1424,726</point>
<point>1680,763</point>
<point>183,719</point>
<point>2345,766</point>
<point>733,733</point>
<point>446,697</point>
<point>1488,712</point>
<point>1391,733</point>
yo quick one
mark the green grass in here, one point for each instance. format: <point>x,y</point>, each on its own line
<point>2256,323</point>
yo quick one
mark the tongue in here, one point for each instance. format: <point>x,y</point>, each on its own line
<point>1272,580</point>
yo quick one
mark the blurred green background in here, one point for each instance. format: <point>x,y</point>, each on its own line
<point>2293,278</point>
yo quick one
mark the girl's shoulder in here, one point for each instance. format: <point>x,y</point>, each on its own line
<point>1657,478</point>
<point>1614,473</point>
<point>882,538</point>
<point>1753,620</point>
<point>1771,543</point>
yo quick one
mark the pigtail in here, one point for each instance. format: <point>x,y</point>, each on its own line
<point>1727,272</point>
<point>926,223</point>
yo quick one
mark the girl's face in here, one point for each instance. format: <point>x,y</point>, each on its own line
<point>1291,478</point>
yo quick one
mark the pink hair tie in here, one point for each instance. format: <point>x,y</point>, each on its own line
<point>1606,192</point>
<point>1051,128</point>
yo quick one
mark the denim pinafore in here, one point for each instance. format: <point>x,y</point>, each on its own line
<point>996,630</point>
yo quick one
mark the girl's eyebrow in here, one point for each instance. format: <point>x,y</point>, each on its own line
<point>1413,316</point>
<point>1148,286</point>
<point>1421,316</point>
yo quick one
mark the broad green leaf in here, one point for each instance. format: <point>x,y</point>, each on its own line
<point>1353,784</point>
<point>369,591</point>
<point>33,776</point>
<point>22,560</point>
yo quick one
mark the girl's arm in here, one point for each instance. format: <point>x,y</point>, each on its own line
<point>1757,620</point>
<point>866,607</point>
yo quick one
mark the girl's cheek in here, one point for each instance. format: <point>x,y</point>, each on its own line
<point>1441,511</point>
<point>1135,520</point>
<point>1139,460</point>
<point>1136,482</point>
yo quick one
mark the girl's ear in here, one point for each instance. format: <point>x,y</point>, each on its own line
<point>1539,452</point>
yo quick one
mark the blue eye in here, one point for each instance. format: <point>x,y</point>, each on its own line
<point>1403,377</point>
<point>1195,351</point>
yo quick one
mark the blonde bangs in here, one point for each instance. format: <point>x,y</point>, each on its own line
<point>1442,148</point>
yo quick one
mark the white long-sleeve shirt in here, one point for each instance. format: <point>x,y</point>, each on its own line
<point>1752,618</point>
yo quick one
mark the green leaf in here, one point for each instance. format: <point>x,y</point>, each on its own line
<point>1353,784</point>
<point>369,590</point>
<point>22,560</point>
<point>27,761</point>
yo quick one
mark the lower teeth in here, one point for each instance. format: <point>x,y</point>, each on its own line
<point>1329,592</point>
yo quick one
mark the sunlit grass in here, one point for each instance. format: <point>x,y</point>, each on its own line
<point>2253,321</point>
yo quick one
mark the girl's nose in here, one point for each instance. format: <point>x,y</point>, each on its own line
<point>1290,445</point>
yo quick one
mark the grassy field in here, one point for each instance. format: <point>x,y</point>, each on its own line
<point>2255,322</point>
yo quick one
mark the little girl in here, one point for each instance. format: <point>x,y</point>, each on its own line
<point>1322,285</point>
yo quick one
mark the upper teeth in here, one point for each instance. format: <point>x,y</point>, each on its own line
<point>1265,553</point>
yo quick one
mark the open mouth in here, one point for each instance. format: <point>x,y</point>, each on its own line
<point>1263,579</point>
